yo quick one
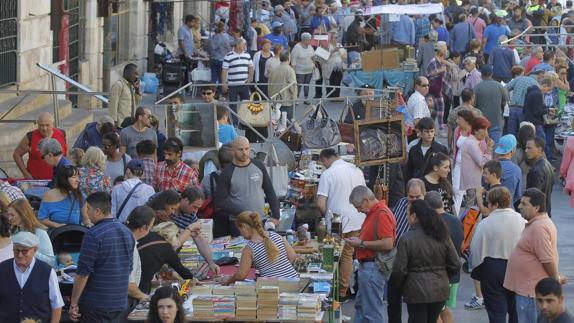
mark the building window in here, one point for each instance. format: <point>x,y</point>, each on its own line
<point>119,32</point>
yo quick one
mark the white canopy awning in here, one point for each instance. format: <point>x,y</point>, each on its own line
<point>409,9</point>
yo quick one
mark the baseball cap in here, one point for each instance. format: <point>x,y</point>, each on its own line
<point>506,144</point>
<point>135,165</point>
<point>25,239</point>
<point>276,24</point>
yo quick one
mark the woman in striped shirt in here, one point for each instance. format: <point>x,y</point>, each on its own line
<point>268,252</point>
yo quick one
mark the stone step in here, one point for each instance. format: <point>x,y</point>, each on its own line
<point>13,108</point>
<point>73,123</point>
<point>12,133</point>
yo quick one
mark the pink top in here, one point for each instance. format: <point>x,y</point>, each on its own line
<point>537,246</point>
<point>478,24</point>
<point>567,168</point>
<point>474,154</point>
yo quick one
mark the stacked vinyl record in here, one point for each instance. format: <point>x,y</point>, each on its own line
<point>288,303</point>
<point>224,307</point>
<point>245,301</point>
<point>203,307</point>
<point>267,302</point>
<point>309,307</point>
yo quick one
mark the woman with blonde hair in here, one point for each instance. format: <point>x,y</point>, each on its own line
<point>92,173</point>
<point>157,249</point>
<point>268,252</point>
<point>22,218</point>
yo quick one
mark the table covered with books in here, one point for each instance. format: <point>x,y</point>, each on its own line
<point>303,299</point>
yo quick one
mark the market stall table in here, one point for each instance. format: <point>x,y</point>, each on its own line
<point>394,77</point>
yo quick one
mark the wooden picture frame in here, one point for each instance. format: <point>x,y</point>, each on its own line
<point>371,139</point>
<point>194,123</point>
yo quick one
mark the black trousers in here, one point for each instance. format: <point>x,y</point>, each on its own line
<point>498,300</point>
<point>394,300</point>
<point>96,316</point>
<point>335,80</point>
<point>425,312</point>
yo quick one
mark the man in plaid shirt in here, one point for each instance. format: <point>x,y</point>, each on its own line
<point>173,173</point>
<point>146,151</point>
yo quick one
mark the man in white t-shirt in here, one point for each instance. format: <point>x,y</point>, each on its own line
<point>417,105</point>
<point>335,187</point>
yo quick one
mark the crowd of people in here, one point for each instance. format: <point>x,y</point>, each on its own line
<point>494,93</point>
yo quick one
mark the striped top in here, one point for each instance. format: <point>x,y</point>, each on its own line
<point>106,256</point>
<point>237,66</point>
<point>183,220</point>
<point>400,213</point>
<point>280,268</point>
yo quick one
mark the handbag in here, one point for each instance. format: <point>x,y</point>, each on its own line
<point>207,209</point>
<point>347,130</point>
<point>292,139</point>
<point>384,260</point>
<point>279,175</point>
<point>319,133</point>
<point>254,112</point>
<point>550,121</point>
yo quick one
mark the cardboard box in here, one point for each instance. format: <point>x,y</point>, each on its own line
<point>380,59</point>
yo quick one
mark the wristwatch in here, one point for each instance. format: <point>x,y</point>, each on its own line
<point>362,244</point>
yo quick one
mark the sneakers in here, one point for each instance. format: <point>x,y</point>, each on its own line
<point>475,303</point>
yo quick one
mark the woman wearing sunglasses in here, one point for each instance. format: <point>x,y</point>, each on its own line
<point>64,203</point>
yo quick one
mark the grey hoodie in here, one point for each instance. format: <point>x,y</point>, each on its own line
<point>139,197</point>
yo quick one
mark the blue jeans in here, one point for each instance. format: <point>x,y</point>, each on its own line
<point>526,309</point>
<point>494,132</point>
<point>549,139</point>
<point>369,302</point>
<point>215,66</point>
<point>540,132</point>
<point>514,119</point>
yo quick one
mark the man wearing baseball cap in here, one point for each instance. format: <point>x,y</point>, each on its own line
<point>511,173</point>
<point>276,36</point>
<point>29,286</point>
<point>130,193</point>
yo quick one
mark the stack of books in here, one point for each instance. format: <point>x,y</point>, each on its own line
<point>309,307</point>
<point>288,285</point>
<point>245,301</point>
<point>267,302</point>
<point>224,307</point>
<point>202,290</point>
<point>220,290</point>
<point>203,307</point>
<point>267,281</point>
<point>287,309</point>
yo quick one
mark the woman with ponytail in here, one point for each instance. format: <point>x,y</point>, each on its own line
<point>268,252</point>
<point>437,179</point>
<point>426,259</point>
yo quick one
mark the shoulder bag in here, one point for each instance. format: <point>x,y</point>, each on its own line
<point>347,130</point>
<point>254,112</point>
<point>384,259</point>
<point>127,199</point>
<point>320,132</point>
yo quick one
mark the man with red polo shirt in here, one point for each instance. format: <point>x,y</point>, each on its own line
<point>377,235</point>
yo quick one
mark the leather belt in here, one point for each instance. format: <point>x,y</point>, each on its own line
<point>362,261</point>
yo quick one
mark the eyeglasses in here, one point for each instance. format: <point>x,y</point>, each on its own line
<point>17,251</point>
<point>424,85</point>
<point>206,93</point>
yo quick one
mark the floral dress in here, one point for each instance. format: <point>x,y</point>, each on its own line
<point>93,180</point>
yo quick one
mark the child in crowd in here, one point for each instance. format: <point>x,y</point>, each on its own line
<point>226,132</point>
<point>422,148</point>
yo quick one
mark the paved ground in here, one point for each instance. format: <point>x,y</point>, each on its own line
<point>563,217</point>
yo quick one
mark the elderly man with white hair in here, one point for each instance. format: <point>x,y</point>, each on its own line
<point>93,133</point>
<point>473,76</point>
<point>435,72</point>
<point>29,286</point>
<point>52,154</point>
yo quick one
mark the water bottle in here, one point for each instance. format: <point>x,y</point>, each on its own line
<point>290,237</point>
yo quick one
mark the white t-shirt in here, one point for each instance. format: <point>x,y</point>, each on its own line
<point>136,274</point>
<point>336,184</point>
<point>417,106</point>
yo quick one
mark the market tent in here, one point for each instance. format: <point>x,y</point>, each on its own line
<point>409,9</point>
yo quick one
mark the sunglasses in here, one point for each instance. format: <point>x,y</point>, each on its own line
<point>424,85</point>
<point>206,93</point>
<point>24,252</point>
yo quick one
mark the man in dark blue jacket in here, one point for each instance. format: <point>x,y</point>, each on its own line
<point>93,133</point>
<point>534,108</point>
